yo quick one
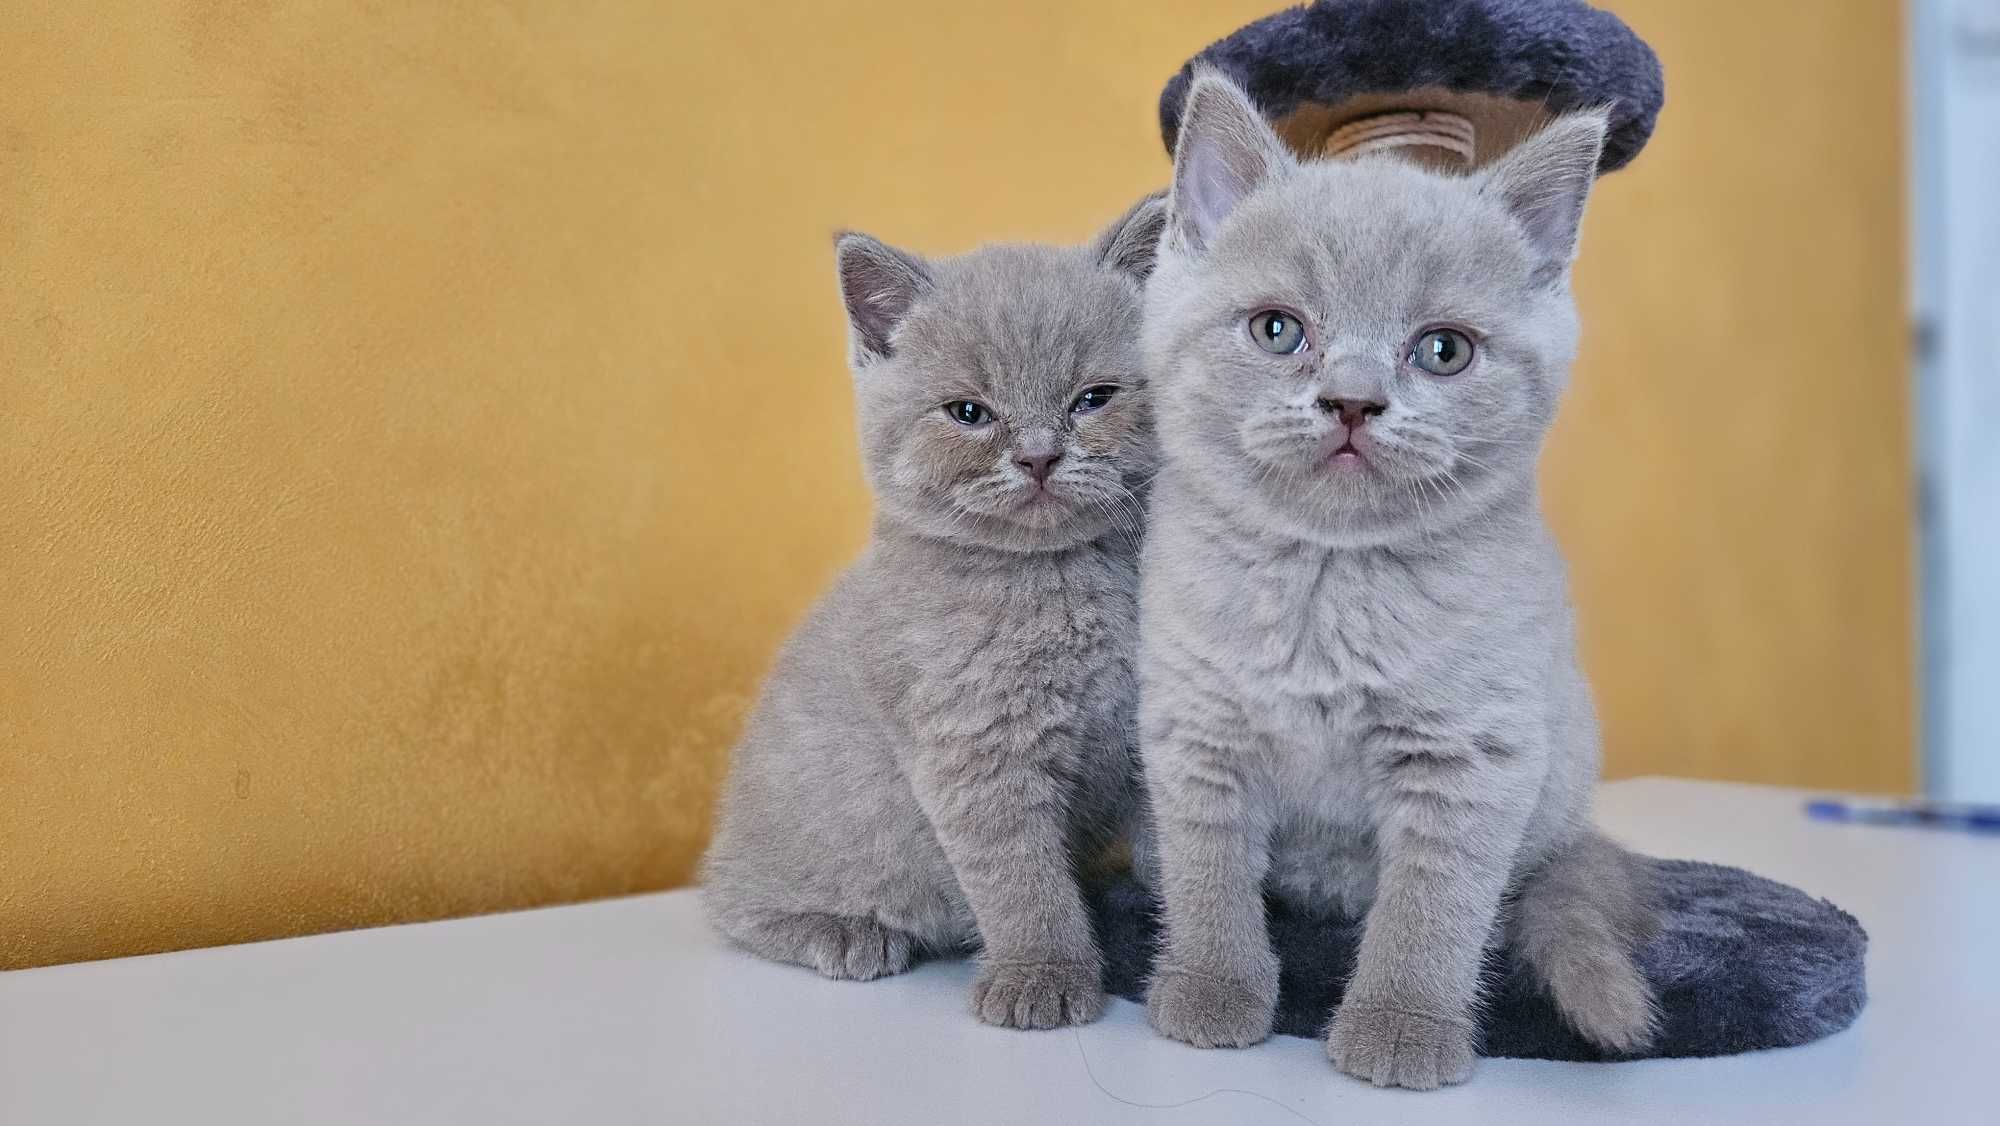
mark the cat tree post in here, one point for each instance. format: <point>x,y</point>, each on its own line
<point>1450,83</point>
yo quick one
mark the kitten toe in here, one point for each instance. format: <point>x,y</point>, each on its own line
<point>1392,1048</point>
<point>843,947</point>
<point>873,950</point>
<point>1038,994</point>
<point>866,950</point>
<point>1211,1012</point>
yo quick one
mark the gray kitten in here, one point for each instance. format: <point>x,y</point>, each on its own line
<point>1359,680</point>
<point>951,731</point>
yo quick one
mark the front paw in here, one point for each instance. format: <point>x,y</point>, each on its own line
<point>1392,1047</point>
<point>1210,1012</point>
<point>1038,994</point>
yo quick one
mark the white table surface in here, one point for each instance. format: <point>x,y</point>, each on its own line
<point>630,1011</point>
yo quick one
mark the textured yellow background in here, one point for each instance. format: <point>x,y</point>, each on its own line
<point>419,422</point>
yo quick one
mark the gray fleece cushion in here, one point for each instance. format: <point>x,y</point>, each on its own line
<point>1562,53</point>
<point>1740,963</point>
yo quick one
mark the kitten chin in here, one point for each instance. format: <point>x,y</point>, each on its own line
<point>1025,526</point>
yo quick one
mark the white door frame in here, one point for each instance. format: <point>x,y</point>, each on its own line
<point>1955,243</point>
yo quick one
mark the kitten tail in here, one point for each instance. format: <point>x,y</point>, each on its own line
<point>1579,923</point>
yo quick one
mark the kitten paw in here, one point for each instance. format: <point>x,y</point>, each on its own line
<point>1210,1012</point>
<point>844,947</point>
<point>1038,994</point>
<point>1393,1048</point>
<point>1610,1004</point>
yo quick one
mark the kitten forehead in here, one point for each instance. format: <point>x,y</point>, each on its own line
<point>1025,321</point>
<point>1377,238</point>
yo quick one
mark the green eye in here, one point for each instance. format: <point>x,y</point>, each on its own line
<point>965,412</point>
<point>1442,351</point>
<point>1093,398</point>
<point>1278,332</point>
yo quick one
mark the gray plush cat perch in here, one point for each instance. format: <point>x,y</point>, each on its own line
<point>1740,962</point>
<point>1455,82</point>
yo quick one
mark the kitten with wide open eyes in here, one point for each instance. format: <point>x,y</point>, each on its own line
<point>951,731</point>
<point>1359,681</point>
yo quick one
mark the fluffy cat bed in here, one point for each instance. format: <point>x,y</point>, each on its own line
<point>1740,963</point>
<point>1497,66</point>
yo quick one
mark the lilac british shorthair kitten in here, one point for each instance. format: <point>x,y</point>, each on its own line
<point>950,734</point>
<point>1359,685</point>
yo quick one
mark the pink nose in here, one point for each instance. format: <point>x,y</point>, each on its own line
<point>1352,412</point>
<point>1039,466</point>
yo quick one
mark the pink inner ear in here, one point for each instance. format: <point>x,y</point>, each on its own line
<point>1211,200</point>
<point>1216,184</point>
<point>1545,182</point>
<point>878,285</point>
<point>1227,148</point>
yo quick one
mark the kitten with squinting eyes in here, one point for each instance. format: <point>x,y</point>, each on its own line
<point>951,732</point>
<point>1359,685</point>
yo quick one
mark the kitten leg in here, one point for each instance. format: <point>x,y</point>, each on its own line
<point>1215,984</point>
<point>1579,921</point>
<point>1001,813</point>
<point>846,947</point>
<point>1449,823</point>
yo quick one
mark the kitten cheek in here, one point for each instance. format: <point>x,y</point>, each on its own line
<point>1413,462</point>
<point>1103,441</point>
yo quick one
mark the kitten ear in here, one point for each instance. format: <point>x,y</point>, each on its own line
<point>1129,244</point>
<point>878,284</point>
<point>1544,182</point>
<point>1224,151</point>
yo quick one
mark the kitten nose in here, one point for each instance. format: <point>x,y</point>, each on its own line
<point>1353,412</point>
<point>1038,465</point>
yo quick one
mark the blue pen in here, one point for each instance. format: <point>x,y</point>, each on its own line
<point>1930,815</point>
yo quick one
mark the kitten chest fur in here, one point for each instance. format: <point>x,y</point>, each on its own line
<point>1023,654</point>
<point>1344,661</point>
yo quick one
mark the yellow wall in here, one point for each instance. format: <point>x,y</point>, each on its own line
<point>418,424</point>
<point>1732,476</point>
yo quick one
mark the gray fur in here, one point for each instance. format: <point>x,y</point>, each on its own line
<point>1359,680</point>
<point>951,731</point>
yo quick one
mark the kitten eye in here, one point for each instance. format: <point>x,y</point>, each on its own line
<point>1093,398</point>
<point>1442,351</point>
<point>1278,332</point>
<point>965,412</point>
